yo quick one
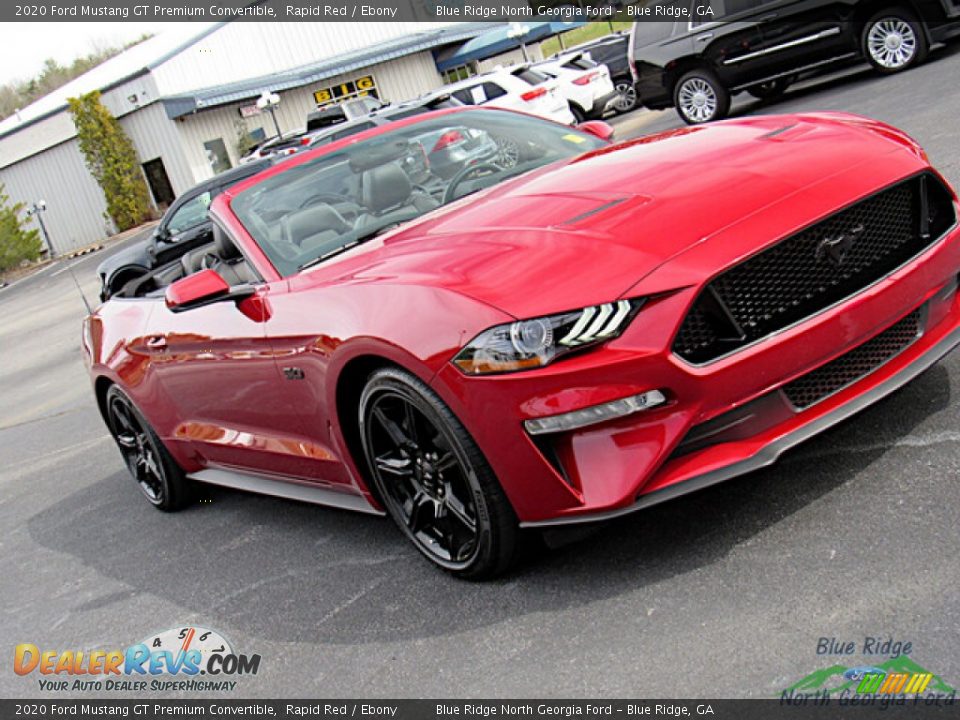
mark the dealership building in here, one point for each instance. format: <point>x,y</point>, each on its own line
<point>186,100</point>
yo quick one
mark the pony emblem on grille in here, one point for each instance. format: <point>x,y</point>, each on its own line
<point>836,249</point>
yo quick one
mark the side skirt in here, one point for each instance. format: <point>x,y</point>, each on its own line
<point>263,485</point>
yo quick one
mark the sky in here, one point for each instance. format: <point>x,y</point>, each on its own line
<point>24,46</point>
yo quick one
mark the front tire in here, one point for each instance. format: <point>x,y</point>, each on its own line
<point>159,477</point>
<point>626,99</point>
<point>893,41</point>
<point>699,97</point>
<point>432,478</point>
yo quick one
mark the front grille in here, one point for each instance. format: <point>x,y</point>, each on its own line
<point>837,374</point>
<point>815,268</point>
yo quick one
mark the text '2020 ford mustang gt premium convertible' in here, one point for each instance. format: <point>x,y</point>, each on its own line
<point>564,331</point>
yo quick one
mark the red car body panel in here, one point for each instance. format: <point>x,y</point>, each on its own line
<point>657,217</point>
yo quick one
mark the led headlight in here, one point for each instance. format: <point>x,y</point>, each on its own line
<point>528,344</point>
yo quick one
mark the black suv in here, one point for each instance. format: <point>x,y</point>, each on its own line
<point>762,46</point>
<point>184,226</point>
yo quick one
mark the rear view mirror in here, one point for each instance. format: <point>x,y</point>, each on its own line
<point>201,288</point>
<point>597,128</point>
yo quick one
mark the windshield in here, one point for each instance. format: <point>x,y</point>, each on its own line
<point>316,210</point>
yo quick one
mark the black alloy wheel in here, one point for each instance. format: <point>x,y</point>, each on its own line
<point>432,478</point>
<point>156,473</point>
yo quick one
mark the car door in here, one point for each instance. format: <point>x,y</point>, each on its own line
<point>727,38</point>
<point>303,332</point>
<point>801,33</point>
<point>225,388</point>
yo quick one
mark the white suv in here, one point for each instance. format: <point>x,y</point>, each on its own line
<point>515,88</point>
<point>586,85</point>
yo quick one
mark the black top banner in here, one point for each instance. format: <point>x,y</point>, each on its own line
<point>694,12</point>
<point>348,10</point>
<point>812,707</point>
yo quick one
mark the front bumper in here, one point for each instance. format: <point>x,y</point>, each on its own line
<point>772,450</point>
<point>600,104</point>
<point>621,466</point>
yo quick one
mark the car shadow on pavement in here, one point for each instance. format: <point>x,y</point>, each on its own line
<point>290,572</point>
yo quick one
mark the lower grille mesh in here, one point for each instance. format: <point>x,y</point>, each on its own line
<point>846,369</point>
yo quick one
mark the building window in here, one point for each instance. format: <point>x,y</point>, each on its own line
<point>461,72</point>
<point>217,155</point>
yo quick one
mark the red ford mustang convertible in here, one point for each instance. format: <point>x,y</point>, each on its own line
<point>553,330</point>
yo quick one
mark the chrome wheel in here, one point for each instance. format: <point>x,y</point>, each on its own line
<point>425,480</point>
<point>892,43</point>
<point>626,99</point>
<point>137,448</point>
<point>697,100</point>
<point>508,153</point>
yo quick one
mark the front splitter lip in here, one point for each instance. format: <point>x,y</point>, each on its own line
<point>770,453</point>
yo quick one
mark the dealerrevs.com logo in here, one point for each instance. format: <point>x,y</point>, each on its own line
<point>185,658</point>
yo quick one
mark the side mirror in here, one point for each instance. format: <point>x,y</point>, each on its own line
<point>201,288</point>
<point>597,128</point>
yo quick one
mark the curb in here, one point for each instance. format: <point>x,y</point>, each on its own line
<point>82,251</point>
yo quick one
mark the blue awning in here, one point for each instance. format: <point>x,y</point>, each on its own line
<point>498,40</point>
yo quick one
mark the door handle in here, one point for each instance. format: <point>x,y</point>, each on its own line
<point>768,18</point>
<point>157,342</point>
<point>705,37</point>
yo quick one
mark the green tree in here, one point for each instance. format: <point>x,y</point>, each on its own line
<point>112,160</point>
<point>244,141</point>
<point>16,243</point>
<point>20,93</point>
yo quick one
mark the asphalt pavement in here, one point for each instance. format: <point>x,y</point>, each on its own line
<point>725,592</point>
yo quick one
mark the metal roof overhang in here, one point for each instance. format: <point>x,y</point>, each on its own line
<point>180,105</point>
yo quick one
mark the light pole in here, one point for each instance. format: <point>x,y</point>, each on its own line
<point>37,209</point>
<point>270,102</point>
<point>519,31</point>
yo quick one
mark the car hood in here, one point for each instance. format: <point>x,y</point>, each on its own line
<point>585,231</point>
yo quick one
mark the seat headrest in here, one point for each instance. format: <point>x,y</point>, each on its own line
<point>313,220</point>
<point>382,154</point>
<point>223,245</point>
<point>385,187</point>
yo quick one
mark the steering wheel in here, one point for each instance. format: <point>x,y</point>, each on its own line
<point>325,197</point>
<point>449,195</point>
